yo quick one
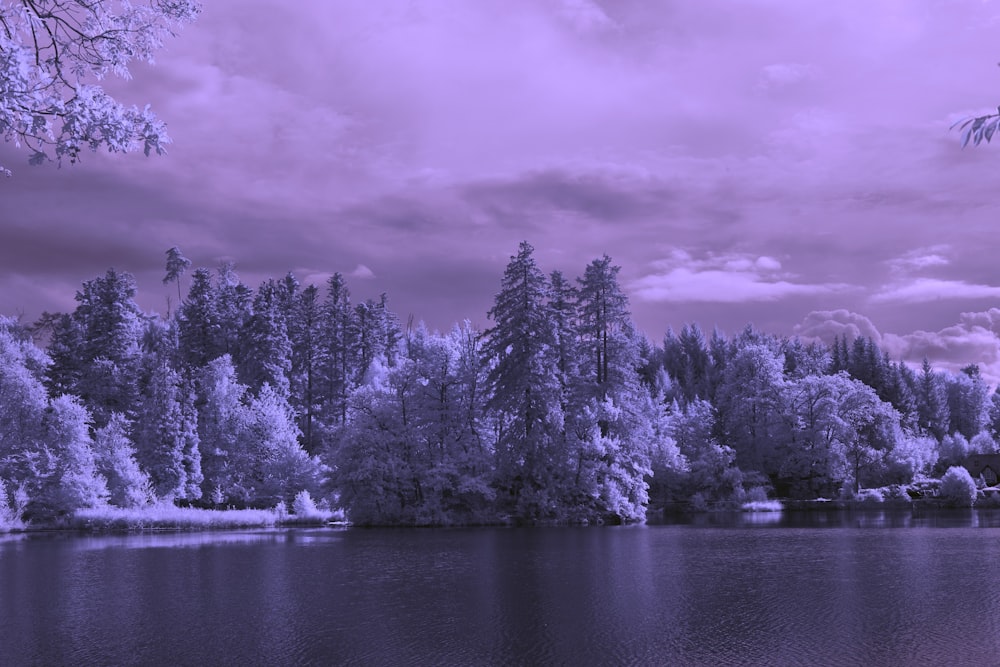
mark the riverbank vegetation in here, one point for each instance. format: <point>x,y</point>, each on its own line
<point>166,515</point>
<point>561,411</point>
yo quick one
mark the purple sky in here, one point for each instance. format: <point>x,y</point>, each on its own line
<point>779,162</point>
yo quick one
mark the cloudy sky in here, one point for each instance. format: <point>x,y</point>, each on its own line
<point>780,162</point>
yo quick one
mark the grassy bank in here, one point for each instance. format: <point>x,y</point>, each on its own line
<point>168,517</point>
<point>763,506</point>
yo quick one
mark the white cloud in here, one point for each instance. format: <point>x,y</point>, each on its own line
<point>826,325</point>
<point>933,289</point>
<point>919,259</point>
<point>362,272</point>
<point>951,349</point>
<point>988,319</point>
<point>768,264</point>
<point>724,278</point>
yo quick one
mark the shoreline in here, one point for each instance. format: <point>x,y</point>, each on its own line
<point>188,520</point>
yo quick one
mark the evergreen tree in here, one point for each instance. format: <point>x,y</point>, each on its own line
<point>718,351</point>
<point>868,364</point>
<point>265,347</point>
<point>177,264</point>
<point>128,485</point>
<point>932,405</point>
<point>749,404</point>
<point>112,323</point>
<point>603,312</point>
<point>220,421</point>
<point>968,402</point>
<point>376,334</point>
<point>675,364</point>
<point>99,353</point>
<point>167,437</point>
<point>336,353</point>
<point>65,373</point>
<point>901,393</point>
<point>305,333</point>
<point>521,351</point>
<point>839,356</point>
<point>232,303</point>
<point>696,362</point>
<point>650,363</point>
<point>198,322</point>
<point>564,298</point>
<point>613,460</point>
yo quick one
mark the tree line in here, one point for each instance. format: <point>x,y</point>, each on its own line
<point>560,411</point>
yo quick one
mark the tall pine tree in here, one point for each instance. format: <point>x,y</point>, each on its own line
<point>525,394</point>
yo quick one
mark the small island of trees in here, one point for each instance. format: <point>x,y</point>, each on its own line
<point>561,411</point>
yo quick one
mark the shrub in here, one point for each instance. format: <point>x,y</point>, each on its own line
<point>762,506</point>
<point>303,504</point>
<point>896,492</point>
<point>870,497</point>
<point>958,488</point>
<point>305,512</point>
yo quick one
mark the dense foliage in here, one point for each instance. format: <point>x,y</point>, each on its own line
<point>53,57</point>
<point>560,411</point>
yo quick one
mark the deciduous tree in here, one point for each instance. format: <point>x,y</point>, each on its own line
<point>53,56</point>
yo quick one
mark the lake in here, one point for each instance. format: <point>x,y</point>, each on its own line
<point>803,589</point>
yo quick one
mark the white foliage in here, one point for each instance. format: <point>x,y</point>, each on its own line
<point>51,52</point>
<point>303,505</point>
<point>958,488</point>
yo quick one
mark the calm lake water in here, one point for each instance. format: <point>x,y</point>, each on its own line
<point>838,589</point>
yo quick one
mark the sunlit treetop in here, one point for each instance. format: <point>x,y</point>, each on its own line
<point>53,56</point>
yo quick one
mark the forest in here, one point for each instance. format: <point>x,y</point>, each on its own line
<point>561,411</point>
